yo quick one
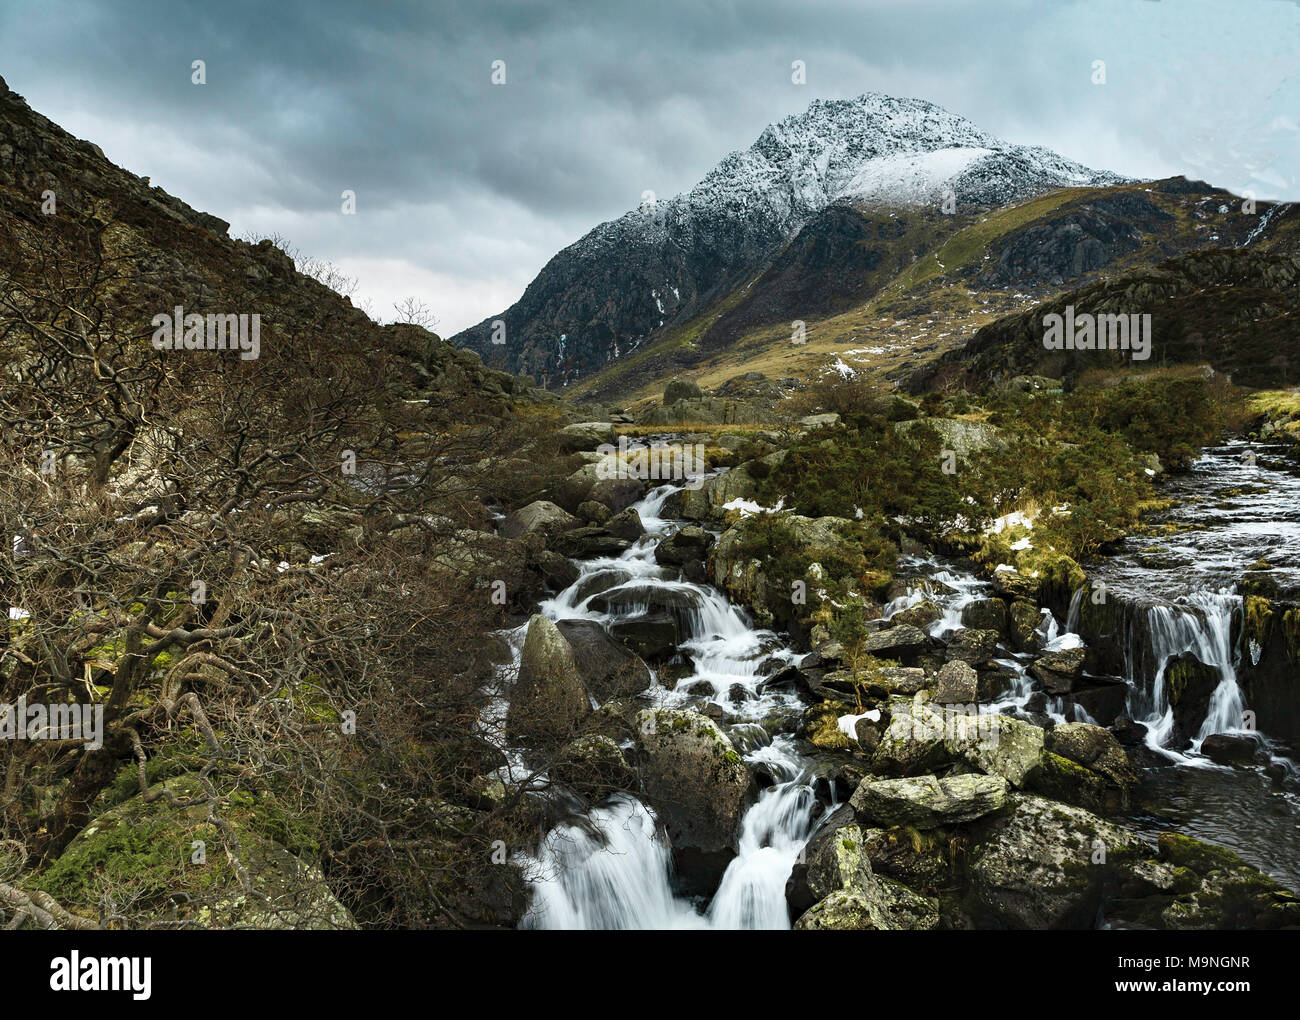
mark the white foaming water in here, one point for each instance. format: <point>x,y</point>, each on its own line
<point>612,868</point>
<point>1200,624</point>
<point>607,871</point>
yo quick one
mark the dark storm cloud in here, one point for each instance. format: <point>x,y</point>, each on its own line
<point>464,189</point>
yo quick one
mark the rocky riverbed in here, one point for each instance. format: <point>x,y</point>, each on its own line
<point>991,762</point>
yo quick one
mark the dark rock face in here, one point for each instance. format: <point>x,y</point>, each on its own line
<point>1058,672</point>
<point>1270,662</point>
<point>1232,309</point>
<point>688,549</point>
<point>1229,749</point>
<point>1189,683</point>
<point>1073,244</point>
<point>606,667</point>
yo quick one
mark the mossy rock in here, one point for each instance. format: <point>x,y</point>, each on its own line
<point>143,851</point>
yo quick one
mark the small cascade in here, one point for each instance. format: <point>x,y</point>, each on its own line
<point>611,867</point>
<point>1202,625</point>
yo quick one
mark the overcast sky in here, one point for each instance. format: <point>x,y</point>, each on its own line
<point>464,189</point>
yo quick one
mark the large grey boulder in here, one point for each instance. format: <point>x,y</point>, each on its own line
<point>1044,865</point>
<point>694,778</point>
<point>926,802</point>
<point>548,702</point>
<point>586,435</point>
<point>540,517</point>
<point>1059,672</point>
<point>923,737</point>
<point>607,668</point>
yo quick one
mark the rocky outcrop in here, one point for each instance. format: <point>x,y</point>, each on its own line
<point>1044,865</point>
<point>548,702</point>
<point>681,389</point>
<point>695,780</point>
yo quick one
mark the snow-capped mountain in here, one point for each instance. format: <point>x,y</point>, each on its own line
<point>657,265</point>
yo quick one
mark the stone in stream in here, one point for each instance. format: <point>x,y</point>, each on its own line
<point>958,684</point>
<point>1058,672</point>
<point>593,512</point>
<point>926,802</point>
<point>606,667</point>
<point>1086,766</point>
<point>1189,685</point>
<point>1230,749</point>
<point>653,636</point>
<point>896,642</point>
<point>590,542</point>
<point>1043,865</point>
<point>921,738</point>
<point>1023,618</point>
<point>688,549</point>
<point>837,890</point>
<point>548,701</point>
<point>698,785</point>
<point>626,524</point>
<point>972,646</point>
<point>593,767</point>
<point>1128,732</point>
<point>920,615</point>
<point>985,614</point>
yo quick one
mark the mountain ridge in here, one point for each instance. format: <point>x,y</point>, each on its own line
<point>632,276</point>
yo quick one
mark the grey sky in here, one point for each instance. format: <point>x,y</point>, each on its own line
<point>465,188</point>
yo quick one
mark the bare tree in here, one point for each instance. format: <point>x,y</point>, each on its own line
<point>415,312</point>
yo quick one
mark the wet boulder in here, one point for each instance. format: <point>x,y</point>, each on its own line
<point>653,636</point>
<point>1044,865</point>
<point>694,779</point>
<point>594,767</point>
<point>687,549</point>
<point>985,614</point>
<point>1023,618</point>
<point>927,802</point>
<point>920,615</point>
<point>607,668</point>
<point>899,642</point>
<point>1058,672</point>
<point>548,702</point>
<point>972,646</point>
<point>1230,749</point>
<point>626,524</point>
<point>1086,766</point>
<point>958,684</point>
<point>1190,684</point>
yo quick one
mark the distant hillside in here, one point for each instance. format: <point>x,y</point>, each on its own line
<point>1236,310</point>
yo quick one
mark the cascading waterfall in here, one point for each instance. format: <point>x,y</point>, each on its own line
<point>1201,624</point>
<point>611,868</point>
